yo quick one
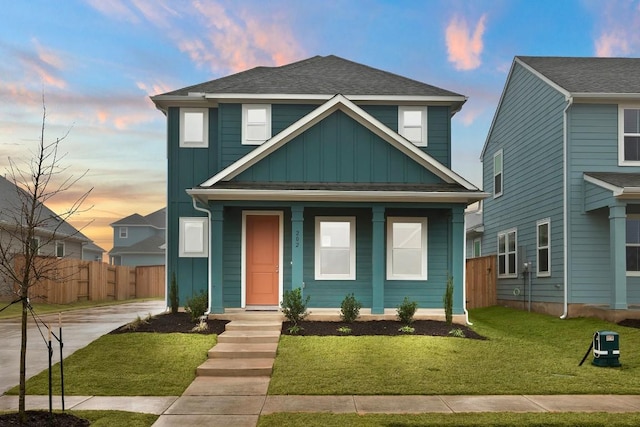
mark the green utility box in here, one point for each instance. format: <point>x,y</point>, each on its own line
<point>606,348</point>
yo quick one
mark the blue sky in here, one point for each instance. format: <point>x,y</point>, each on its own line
<point>98,61</point>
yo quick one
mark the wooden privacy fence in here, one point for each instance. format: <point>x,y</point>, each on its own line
<point>481,282</point>
<point>70,280</point>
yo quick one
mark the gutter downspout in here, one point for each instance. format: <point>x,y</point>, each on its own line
<point>565,207</point>
<point>208,212</point>
<point>464,272</point>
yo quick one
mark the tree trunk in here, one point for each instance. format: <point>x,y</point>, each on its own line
<point>23,357</point>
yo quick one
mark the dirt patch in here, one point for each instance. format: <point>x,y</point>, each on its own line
<point>43,418</point>
<point>380,327</point>
<point>631,323</point>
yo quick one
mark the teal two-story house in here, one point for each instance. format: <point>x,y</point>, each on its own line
<point>325,175</point>
<point>562,161</point>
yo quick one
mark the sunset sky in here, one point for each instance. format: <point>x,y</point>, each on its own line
<point>97,62</point>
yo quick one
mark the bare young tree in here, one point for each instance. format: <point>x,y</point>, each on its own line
<point>28,229</point>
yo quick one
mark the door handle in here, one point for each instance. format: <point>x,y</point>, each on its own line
<point>277,269</point>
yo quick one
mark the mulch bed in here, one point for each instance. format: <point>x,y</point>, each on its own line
<point>631,323</point>
<point>43,419</point>
<point>169,323</point>
<point>379,327</point>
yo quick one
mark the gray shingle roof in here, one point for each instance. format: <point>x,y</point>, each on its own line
<point>589,75</point>
<point>328,75</point>
<point>150,245</point>
<point>618,179</point>
<point>10,207</point>
<point>155,219</point>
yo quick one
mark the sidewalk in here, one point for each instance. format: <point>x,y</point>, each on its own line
<point>255,405</point>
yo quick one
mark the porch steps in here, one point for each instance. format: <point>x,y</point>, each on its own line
<point>247,348</point>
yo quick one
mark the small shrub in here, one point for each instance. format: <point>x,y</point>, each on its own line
<point>133,326</point>
<point>350,308</point>
<point>448,301</point>
<point>457,332</point>
<point>406,329</point>
<point>344,330</point>
<point>295,329</point>
<point>293,306</point>
<point>174,301</point>
<point>197,306</point>
<point>202,326</point>
<point>407,310</point>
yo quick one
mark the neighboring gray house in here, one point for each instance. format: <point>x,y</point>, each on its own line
<point>473,229</point>
<point>55,238</point>
<point>139,240</point>
<point>562,161</point>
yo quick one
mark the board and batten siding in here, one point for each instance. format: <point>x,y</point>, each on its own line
<point>529,129</point>
<point>338,149</point>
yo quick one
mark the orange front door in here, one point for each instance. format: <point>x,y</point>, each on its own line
<point>263,259</point>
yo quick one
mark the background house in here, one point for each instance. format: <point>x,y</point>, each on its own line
<point>55,237</point>
<point>323,174</point>
<point>562,161</point>
<point>139,240</point>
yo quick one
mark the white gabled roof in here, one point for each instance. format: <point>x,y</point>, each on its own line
<point>339,102</point>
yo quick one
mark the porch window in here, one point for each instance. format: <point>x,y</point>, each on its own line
<point>194,237</point>
<point>256,123</point>
<point>633,244</point>
<point>335,248</point>
<point>507,254</point>
<point>60,249</point>
<point>477,247</point>
<point>194,127</point>
<point>406,248</point>
<point>35,245</point>
<point>497,174</point>
<point>544,248</point>
<point>629,140</point>
<point>412,124</point>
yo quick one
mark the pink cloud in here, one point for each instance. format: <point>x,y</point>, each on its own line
<point>465,48</point>
<point>617,25</point>
<point>612,44</point>
<point>116,9</point>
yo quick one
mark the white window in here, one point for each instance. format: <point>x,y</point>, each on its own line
<point>256,123</point>
<point>194,127</point>
<point>544,248</point>
<point>412,124</point>
<point>629,135</point>
<point>124,232</point>
<point>335,248</point>
<point>60,249</point>
<point>35,245</point>
<point>194,237</point>
<point>406,248</point>
<point>507,254</point>
<point>497,174</point>
<point>477,247</point>
<point>633,245</point>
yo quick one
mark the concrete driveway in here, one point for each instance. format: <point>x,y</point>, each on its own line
<point>79,328</point>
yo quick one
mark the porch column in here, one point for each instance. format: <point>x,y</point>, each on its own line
<point>217,244</point>
<point>377,260</point>
<point>457,258</point>
<point>297,245</point>
<point>618,254</point>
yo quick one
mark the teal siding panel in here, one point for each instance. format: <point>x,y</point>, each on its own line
<point>284,115</point>
<point>338,150</point>
<point>230,119</point>
<point>529,129</point>
<point>439,134</point>
<point>232,255</point>
<point>386,114</point>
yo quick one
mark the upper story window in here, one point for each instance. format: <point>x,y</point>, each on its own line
<point>60,249</point>
<point>123,232</point>
<point>256,123</point>
<point>406,248</point>
<point>194,127</point>
<point>629,135</point>
<point>35,245</point>
<point>497,174</point>
<point>412,124</point>
<point>507,254</point>
<point>544,248</point>
<point>335,248</point>
<point>477,247</point>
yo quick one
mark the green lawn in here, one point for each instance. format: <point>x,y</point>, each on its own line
<point>525,353</point>
<point>134,364</point>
